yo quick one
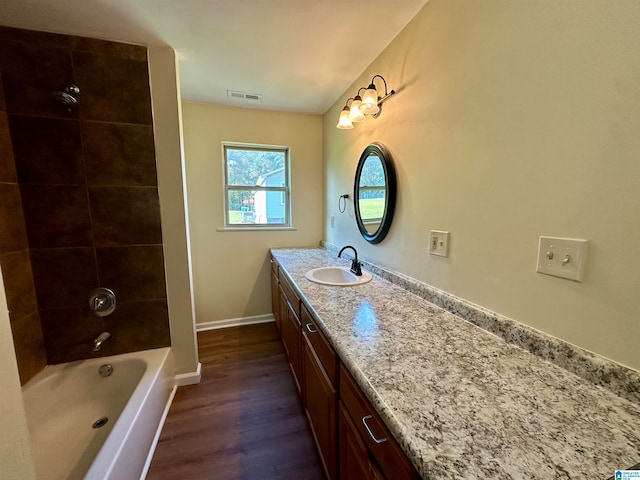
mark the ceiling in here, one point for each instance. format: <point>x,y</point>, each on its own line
<point>298,55</point>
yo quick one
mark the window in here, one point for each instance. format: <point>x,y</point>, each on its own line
<point>256,185</point>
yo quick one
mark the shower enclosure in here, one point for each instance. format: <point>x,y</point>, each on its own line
<point>79,202</point>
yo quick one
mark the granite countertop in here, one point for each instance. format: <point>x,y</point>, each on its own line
<point>462,402</point>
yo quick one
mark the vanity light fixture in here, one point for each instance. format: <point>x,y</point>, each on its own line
<point>369,104</point>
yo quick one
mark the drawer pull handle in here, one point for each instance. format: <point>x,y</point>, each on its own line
<point>308,325</point>
<point>364,422</point>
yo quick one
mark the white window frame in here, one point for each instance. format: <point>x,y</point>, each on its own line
<point>285,190</point>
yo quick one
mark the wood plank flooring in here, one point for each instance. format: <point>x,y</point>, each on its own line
<point>243,421</point>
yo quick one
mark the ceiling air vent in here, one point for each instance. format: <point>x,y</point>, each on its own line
<point>243,95</point>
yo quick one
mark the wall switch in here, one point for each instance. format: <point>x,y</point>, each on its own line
<point>562,257</point>
<point>439,243</point>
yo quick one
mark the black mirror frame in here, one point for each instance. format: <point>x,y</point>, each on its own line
<point>390,204</point>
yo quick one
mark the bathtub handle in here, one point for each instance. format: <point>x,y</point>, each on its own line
<point>102,301</point>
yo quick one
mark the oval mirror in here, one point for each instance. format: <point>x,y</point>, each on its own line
<point>374,191</point>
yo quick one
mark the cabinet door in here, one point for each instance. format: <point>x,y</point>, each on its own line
<point>320,404</point>
<point>275,298</point>
<point>373,432</point>
<point>283,320</point>
<point>291,339</point>
<point>355,462</point>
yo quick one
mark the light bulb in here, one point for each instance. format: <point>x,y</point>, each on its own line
<point>355,115</point>
<point>344,122</point>
<point>370,101</point>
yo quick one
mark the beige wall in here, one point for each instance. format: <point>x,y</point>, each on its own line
<point>231,269</point>
<point>512,120</point>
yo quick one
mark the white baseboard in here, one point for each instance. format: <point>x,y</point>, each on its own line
<point>235,322</point>
<point>189,378</point>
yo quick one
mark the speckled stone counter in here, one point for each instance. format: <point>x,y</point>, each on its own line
<point>463,402</point>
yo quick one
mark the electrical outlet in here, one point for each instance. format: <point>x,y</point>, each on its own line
<point>439,243</point>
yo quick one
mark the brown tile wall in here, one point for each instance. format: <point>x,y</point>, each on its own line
<point>87,206</point>
<point>15,262</point>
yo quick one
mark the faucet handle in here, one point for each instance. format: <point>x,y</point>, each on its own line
<point>99,303</point>
<point>102,301</point>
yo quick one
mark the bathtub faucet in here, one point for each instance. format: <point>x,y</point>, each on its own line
<point>97,343</point>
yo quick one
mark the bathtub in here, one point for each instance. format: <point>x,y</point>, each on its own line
<point>67,404</point>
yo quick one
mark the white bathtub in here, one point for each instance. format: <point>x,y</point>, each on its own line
<point>63,401</point>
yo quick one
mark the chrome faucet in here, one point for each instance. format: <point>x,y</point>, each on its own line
<point>356,266</point>
<point>97,343</point>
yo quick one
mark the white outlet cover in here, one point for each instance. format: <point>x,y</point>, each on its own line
<point>562,257</point>
<point>439,243</point>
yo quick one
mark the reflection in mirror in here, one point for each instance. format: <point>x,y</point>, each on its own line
<point>371,193</point>
<point>374,192</point>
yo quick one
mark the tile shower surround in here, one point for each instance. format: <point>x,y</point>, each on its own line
<point>96,165</point>
<point>15,262</point>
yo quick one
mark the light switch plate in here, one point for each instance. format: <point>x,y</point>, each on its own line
<point>562,257</point>
<point>439,243</point>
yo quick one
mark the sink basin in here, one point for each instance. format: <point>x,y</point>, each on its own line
<point>338,276</point>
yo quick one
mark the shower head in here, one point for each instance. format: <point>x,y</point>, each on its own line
<point>64,98</point>
<point>67,98</point>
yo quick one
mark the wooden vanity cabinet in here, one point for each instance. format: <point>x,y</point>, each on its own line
<point>383,454</point>
<point>290,328</point>
<point>352,440</point>
<point>320,395</point>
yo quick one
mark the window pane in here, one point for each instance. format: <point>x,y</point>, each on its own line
<point>371,204</point>
<point>255,167</point>
<point>256,207</point>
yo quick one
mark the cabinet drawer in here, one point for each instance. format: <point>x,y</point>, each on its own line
<point>374,433</point>
<point>289,292</point>
<point>321,346</point>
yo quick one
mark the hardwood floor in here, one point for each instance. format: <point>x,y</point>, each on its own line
<point>243,421</point>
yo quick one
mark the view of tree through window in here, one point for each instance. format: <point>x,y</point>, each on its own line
<point>257,185</point>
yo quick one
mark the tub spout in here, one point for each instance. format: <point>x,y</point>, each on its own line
<point>97,343</point>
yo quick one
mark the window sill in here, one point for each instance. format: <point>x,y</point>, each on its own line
<point>255,229</point>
